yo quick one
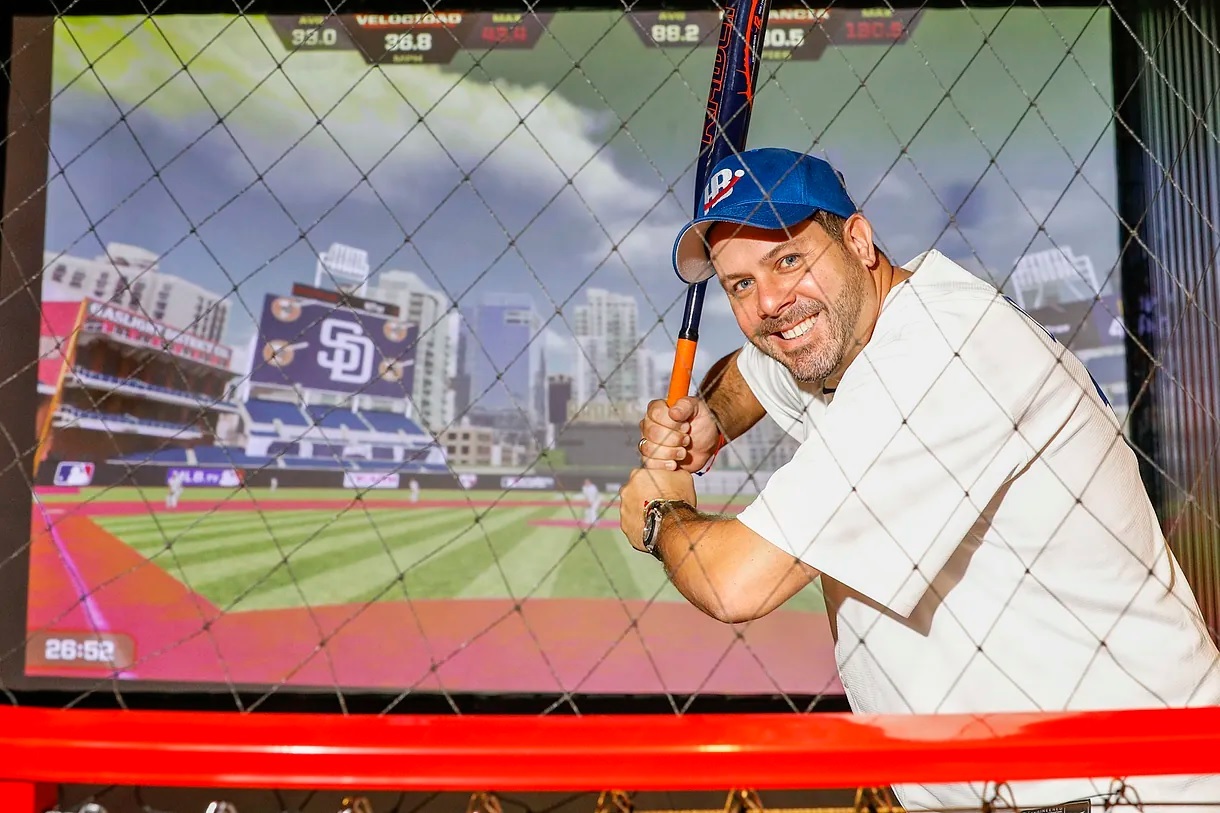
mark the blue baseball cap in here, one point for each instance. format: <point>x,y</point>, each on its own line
<point>770,188</point>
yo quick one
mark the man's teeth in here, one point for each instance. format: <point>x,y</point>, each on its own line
<point>799,329</point>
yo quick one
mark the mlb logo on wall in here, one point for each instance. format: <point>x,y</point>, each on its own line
<point>73,474</point>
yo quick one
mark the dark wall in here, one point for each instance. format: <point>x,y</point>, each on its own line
<point>1167,79</point>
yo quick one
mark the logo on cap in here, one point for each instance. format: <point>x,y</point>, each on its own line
<point>720,186</point>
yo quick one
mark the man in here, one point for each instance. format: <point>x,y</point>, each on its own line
<point>962,488</point>
<point>175,483</point>
<point>593,503</point>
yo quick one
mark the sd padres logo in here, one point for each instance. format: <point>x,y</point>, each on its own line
<point>348,353</point>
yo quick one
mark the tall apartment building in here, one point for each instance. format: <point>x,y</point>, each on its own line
<point>608,366</point>
<point>436,354</point>
<point>131,278</point>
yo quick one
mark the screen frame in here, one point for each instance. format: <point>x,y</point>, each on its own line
<point>22,239</point>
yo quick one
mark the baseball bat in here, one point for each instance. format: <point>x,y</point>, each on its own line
<point>730,101</point>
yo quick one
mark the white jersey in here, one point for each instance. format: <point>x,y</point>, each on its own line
<point>984,538</point>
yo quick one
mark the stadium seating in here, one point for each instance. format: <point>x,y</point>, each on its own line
<point>335,437</point>
<point>271,411</point>
<point>110,382</point>
<point>229,456</point>
<point>76,415</point>
<point>391,423</point>
<point>329,417</point>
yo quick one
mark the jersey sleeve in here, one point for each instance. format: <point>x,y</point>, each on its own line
<point>924,430</point>
<point>774,388</point>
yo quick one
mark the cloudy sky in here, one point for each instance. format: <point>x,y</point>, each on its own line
<point>564,167</point>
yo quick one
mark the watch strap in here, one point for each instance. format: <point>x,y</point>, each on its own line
<point>654,515</point>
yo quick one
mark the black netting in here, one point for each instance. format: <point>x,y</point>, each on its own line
<point>347,320</point>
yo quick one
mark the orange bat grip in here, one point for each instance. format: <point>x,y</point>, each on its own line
<point>684,366</point>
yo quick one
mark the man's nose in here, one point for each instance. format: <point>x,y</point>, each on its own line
<point>775,295</point>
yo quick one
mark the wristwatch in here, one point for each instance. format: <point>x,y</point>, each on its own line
<point>654,512</point>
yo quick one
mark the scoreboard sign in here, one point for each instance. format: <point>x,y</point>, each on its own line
<point>316,346</point>
<point>411,39</point>
<point>798,33</point>
<point>792,33</point>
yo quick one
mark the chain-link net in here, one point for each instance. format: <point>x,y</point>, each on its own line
<point>348,321</point>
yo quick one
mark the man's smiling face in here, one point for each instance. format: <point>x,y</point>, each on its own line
<point>798,295</point>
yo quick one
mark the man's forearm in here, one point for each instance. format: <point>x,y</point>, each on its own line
<point>730,398</point>
<point>724,568</point>
<point>687,547</point>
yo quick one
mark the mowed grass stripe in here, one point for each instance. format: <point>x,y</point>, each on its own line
<point>445,574</point>
<point>523,567</point>
<point>291,534</point>
<point>172,522</point>
<point>597,567</point>
<point>149,538</point>
<point>149,531</point>
<point>294,539</point>
<point>352,580</point>
<point>224,580</point>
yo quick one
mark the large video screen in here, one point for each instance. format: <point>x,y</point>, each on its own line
<point>348,322</point>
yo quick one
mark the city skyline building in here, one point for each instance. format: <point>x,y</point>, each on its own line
<point>499,356</point>
<point>130,277</point>
<point>607,365</point>
<point>344,268</point>
<point>436,350</point>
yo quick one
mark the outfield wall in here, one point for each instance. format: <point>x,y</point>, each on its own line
<point>570,480</point>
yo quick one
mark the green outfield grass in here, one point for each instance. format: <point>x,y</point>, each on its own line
<point>156,494</point>
<point>248,560</point>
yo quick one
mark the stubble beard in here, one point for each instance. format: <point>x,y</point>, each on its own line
<point>814,363</point>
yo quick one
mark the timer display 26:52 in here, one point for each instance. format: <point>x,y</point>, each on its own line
<point>107,650</point>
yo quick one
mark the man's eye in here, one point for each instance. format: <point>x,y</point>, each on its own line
<point>790,261</point>
<point>742,285</point>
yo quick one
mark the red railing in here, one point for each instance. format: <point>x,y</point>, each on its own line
<point>41,748</point>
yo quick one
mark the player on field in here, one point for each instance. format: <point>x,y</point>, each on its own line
<point>593,502</point>
<point>175,485</point>
<point>962,488</point>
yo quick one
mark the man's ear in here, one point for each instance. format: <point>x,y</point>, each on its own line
<point>858,239</point>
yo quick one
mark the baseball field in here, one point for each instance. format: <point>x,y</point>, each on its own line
<point>459,590</point>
